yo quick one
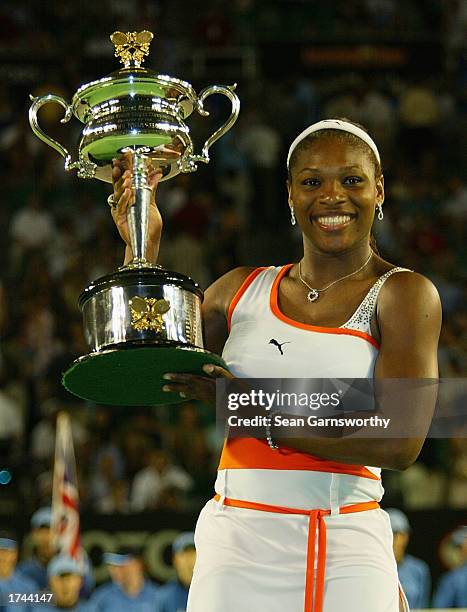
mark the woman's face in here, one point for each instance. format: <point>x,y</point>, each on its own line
<point>334,194</point>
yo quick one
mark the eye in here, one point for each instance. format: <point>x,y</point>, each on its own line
<point>311,182</point>
<point>352,180</point>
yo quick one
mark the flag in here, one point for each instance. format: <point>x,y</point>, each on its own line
<point>65,498</point>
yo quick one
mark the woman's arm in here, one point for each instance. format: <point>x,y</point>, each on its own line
<point>217,299</point>
<point>409,319</point>
<point>123,198</point>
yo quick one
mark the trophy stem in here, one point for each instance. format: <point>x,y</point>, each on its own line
<point>138,213</point>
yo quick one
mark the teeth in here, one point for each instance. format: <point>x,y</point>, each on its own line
<point>339,220</point>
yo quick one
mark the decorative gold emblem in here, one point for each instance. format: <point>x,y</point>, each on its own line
<point>131,47</point>
<point>146,313</point>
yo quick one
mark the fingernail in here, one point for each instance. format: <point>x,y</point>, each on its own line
<point>167,377</point>
<point>209,368</point>
<point>166,388</point>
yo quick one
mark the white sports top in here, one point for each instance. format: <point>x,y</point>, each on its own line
<point>249,469</point>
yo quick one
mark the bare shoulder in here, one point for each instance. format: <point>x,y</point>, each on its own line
<point>405,286</point>
<point>221,292</point>
<point>409,298</point>
<point>409,320</point>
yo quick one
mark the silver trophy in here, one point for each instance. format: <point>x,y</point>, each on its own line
<point>140,321</point>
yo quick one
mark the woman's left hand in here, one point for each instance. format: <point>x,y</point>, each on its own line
<point>193,386</point>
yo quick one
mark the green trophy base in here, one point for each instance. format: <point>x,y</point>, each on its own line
<point>132,376</point>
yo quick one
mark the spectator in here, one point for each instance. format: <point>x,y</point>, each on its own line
<point>235,185</point>
<point>10,580</point>
<point>380,118</point>
<point>32,227</point>
<point>116,501</point>
<point>190,446</point>
<point>261,144</point>
<point>419,115</point>
<point>35,568</point>
<point>43,433</point>
<point>130,590</point>
<point>456,203</point>
<point>423,484</point>
<point>103,480</point>
<point>150,483</point>
<point>414,574</point>
<point>173,596</point>
<point>186,254</point>
<point>65,580</point>
<point>11,420</point>
<point>457,494</point>
<point>452,588</point>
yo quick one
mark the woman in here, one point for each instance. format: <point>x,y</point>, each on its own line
<point>295,524</point>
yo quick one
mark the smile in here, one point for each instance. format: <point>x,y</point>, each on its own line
<point>331,223</point>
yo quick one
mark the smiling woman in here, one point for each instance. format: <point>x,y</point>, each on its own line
<point>359,172</point>
<point>295,523</point>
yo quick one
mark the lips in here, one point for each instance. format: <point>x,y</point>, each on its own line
<point>333,222</point>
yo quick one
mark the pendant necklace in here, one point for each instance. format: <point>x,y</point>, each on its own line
<point>313,293</point>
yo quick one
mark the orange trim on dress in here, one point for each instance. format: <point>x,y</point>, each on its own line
<point>251,453</point>
<point>274,304</point>
<point>240,291</point>
<point>314,584</point>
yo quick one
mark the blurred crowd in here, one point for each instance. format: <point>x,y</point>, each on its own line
<point>47,581</point>
<point>58,234</point>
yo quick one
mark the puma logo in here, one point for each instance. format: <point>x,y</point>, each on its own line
<point>278,344</point>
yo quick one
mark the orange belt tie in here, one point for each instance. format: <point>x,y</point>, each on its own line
<point>314,589</point>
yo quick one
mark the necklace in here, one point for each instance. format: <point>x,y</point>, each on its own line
<point>313,294</point>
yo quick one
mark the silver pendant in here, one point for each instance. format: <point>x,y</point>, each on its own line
<point>313,295</point>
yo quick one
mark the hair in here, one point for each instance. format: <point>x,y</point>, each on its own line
<point>341,135</point>
<point>345,137</point>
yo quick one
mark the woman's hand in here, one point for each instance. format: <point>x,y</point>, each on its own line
<point>192,386</point>
<point>124,198</point>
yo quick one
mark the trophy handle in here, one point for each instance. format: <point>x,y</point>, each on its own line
<point>86,169</point>
<point>189,163</point>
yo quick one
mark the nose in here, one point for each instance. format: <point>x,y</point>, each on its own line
<point>332,192</point>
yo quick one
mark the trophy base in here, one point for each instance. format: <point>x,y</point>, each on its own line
<point>132,375</point>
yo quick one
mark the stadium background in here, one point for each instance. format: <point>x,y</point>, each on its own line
<point>400,68</point>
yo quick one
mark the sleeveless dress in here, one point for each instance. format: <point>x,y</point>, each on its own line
<point>287,531</point>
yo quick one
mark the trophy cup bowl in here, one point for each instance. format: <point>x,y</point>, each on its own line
<point>140,321</point>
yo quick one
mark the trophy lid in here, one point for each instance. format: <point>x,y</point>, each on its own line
<point>132,79</point>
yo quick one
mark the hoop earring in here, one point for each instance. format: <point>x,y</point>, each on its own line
<point>293,220</point>
<point>380,212</point>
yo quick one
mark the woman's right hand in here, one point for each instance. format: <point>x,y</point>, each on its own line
<point>124,198</point>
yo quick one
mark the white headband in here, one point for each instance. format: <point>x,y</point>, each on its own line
<point>335,124</point>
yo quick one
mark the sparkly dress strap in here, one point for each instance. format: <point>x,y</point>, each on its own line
<point>361,318</point>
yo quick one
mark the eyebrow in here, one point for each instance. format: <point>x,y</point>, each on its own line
<point>342,169</point>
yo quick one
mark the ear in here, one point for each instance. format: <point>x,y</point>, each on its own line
<point>380,190</point>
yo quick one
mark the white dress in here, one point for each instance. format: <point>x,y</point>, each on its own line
<point>254,553</point>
